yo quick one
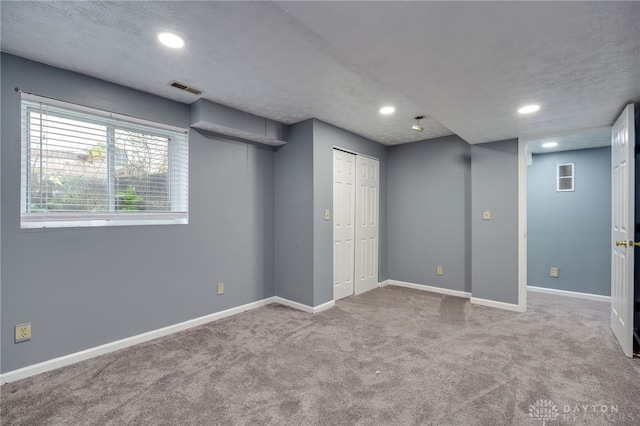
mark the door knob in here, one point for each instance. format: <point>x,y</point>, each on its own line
<point>621,243</point>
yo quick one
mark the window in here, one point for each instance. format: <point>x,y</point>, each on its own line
<point>85,167</point>
<point>564,175</point>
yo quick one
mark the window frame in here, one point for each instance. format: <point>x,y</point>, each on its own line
<point>177,168</point>
<point>570,177</point>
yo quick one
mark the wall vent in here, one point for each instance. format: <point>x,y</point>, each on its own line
<point>185,88</point>
<point>565,177</point>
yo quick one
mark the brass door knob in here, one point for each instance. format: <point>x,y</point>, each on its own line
<point>621,243</point>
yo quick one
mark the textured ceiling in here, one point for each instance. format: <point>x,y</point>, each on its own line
<point>585,139</point>
<point>467,65</point>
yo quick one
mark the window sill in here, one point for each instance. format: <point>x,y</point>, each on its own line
<point>75,222</point>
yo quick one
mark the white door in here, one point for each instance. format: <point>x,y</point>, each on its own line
<point>344,190</point>
<point>623,226</point>
<point>367,202</point>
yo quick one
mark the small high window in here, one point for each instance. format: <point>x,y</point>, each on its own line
<point>565,177</point>
<point>85,167</point>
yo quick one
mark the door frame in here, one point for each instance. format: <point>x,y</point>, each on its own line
<point>522,211</point>
<point>522,225</point>
<point>523,156</point>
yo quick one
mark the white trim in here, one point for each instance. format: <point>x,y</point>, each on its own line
<point>422,287</point>
<point>579,295</point>
<point>52,364</point>
<point>573,177</point>
<point>327,305</point>
<point>73,358</point>
<point>495,304</point>
<point>522,225</point>
<point>384,283</point>
<point>305,308</point>
<point>28,221</point>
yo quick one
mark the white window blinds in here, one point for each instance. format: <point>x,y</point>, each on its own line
<point>85,167</point>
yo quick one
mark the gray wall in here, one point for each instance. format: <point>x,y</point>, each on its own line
<point>294,215</point>
<point>494,243</point>
<point>325,137</point>
<point>570,230</point>
<point>429,213</point>
<point>304,189</point>
<point>256,223</point>
<point>84,287</point>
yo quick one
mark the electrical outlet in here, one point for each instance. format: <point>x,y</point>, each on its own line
<point>220,288</point>
<point>439,270</point>
<point>553,272</point>
<point>23,332</point>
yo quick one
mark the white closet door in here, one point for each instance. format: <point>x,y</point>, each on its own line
<point>344,190</point>
<point>367,208</point>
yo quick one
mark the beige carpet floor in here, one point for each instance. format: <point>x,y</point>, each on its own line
<point>392,356</point>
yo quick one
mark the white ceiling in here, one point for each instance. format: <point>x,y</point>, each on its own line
<point>584,139</point>
<point>467,66</point>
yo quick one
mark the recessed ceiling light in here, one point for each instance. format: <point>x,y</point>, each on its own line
<point>528,109</point>
<point>549,144</point>
<point>171,40</point>
<point>387,110</point>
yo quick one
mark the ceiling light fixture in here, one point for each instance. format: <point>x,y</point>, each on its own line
<point>550,144</point>
<point>387,110</point>
<point>417,127</point>
<point>529,109</point>
<point>171,40</point>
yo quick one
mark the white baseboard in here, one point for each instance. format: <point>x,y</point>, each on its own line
<point>327,305</point>
<point>588,296</point>
<point>383,283</point>
<point>62,361</point>
<point>495,304</point>
<point>458,293</point>
<point>305,308</point>
<point>422,287</point>
<point>52,364</point>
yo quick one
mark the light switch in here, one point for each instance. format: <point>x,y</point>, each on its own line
<point>327,214</point>
<point>486,215</point>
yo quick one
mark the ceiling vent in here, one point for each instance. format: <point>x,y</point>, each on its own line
<point>185,88</point>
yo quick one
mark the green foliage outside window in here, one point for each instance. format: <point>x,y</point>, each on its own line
<point>129,201</point>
